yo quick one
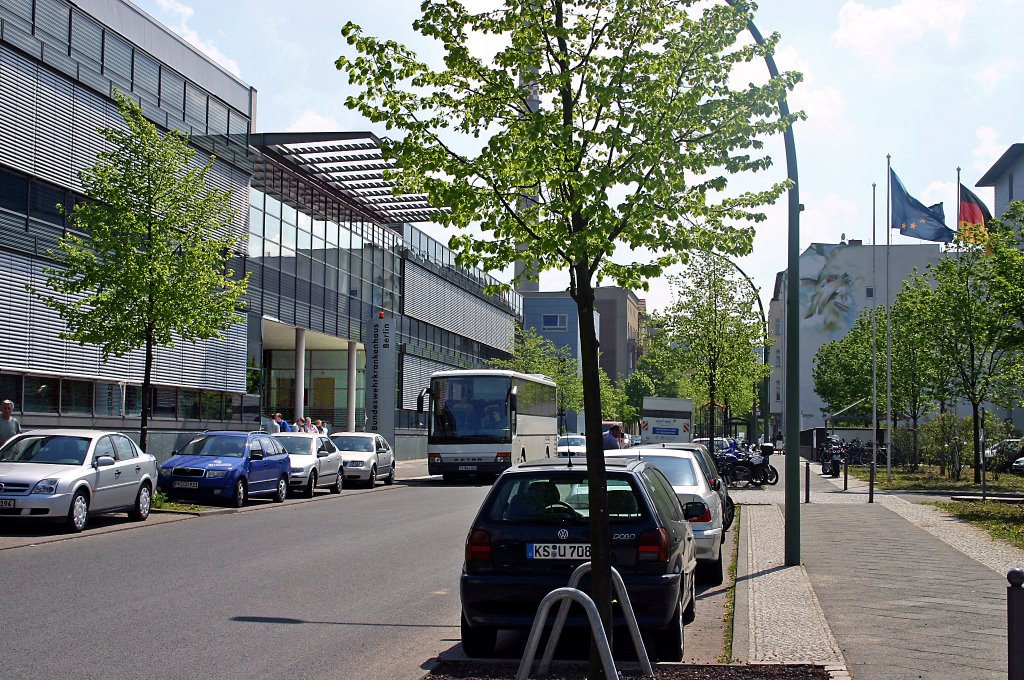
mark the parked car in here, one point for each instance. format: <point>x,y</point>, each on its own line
<point>721,443</point>
<point>1018,466</point>
<point>72,474</point>
<point>366,457</point>
<point>532,531</point>
<point>575,444</point>
<point>229,466</point>
<point>636,439</point>
<point>684,473</point>
<point>315,462</point>
<point>710,469</point>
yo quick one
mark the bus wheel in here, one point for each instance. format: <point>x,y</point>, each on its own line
<point>547,453</point>
<point>522,456</point>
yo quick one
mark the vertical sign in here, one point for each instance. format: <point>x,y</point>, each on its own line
<point>381,365</point>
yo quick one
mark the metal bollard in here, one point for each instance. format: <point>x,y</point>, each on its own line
<point>871,485</point>
<point>846,474</point>
<point>1015,625</point>
<point>807,483</point>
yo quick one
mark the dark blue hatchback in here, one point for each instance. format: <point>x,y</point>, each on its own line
<point>227,465</point>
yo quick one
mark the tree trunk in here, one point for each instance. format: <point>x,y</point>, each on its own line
<point>147,392</point>
<point>600,539</point>
<point>915,455</point>
<point>976,417</point>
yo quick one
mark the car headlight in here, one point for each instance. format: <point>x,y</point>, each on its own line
<point>354,463</point>
<point>166,470</point>
<point>298,470</point>
<point>45,486</point>
<point>216,474</point>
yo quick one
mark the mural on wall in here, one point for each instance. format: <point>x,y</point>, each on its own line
<point>829,282</point>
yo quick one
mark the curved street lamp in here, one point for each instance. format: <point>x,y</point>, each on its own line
<point>792,406</point>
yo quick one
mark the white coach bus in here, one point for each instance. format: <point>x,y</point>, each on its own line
<point>483,421</point>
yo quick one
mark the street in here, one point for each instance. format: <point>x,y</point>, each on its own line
<point>359,585</point>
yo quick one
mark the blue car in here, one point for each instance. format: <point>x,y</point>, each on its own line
<point>227,465</point>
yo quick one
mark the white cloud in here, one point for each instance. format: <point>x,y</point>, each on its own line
<point>944,193</point>
<point>180,14</point>
<point>989,77</point>
<point>311,121</point>
<point>988,150</point>
<point>877,34</point>
<point>827,218</point>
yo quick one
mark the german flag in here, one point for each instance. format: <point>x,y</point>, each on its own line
<point>974,217</point>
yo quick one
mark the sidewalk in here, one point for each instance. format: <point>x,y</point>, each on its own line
<point>889,590</point>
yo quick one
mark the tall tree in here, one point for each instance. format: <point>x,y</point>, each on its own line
<point>149,261</point>
<point>713,322</point>
<point>661,361</point>
<point>637,135</point>
<point>969,329</point>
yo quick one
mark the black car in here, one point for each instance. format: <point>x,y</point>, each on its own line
<point>532,531</point>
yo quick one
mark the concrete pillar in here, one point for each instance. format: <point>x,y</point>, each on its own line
<point>352,354</point>
<point>300,372</point>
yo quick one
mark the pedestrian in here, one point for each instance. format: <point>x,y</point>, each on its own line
<point>9,425</point>
<point>308,426</point>
<point>271,426</point>
<point>320,426</point>
<point>611,437</point>
<point>282,424</point>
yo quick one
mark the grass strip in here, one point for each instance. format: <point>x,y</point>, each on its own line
<point>1002,521</point>
<point>730,598</point>
<point>160,502</point>
<point>927,477</point>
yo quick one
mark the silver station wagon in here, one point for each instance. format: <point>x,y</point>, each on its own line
<point>71,474</point>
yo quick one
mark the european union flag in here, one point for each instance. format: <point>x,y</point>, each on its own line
<point>913,219</point>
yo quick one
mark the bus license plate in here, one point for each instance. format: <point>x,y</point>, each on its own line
<point>467,468</point>
<point>558,551</point>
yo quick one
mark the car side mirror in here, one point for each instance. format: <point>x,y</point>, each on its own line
<point>716,484</point>
<point>322,453</point>
<point>103,461</point>
<point>694,510</point>
<point>255,455</point>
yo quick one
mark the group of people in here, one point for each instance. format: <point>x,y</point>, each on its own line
<point>279,424</point>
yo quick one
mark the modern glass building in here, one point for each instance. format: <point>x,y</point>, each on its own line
<point>325,237</point>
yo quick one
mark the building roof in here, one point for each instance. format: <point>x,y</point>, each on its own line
<point>351,163</point>
<point>1005,161</point>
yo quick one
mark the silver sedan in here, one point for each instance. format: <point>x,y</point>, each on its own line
<point>72,474</point>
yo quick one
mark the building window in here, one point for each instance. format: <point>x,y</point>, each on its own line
<point>870,293</point>
<point>553,322</point>
<point>188,404</point>
<point>778,390</point>
<point>213,406</point>
<point>10,388</point>
<point>76,397</point>
<point>165,402</point>
<point>42,395</point>
<point>778,327</point>
<point>778,358</point>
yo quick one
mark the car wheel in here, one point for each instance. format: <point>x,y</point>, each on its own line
<point>730,514</point>
<point>711,573</point>
<point>668,642</point>
<point>282,490</point>
<point>390,479</point>
<point>690,613</point>
<point>310,485</point>
<point>238,498</point>
<point>78,513</point>
<point>372,479</point>
<point>478,641</point>
<point>338,483</point>
<point>143,504</point>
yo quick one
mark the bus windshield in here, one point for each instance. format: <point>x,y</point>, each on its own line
<point>469,409</point>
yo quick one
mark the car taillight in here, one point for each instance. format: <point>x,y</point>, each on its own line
<point>706,517</point>
<point>478,546</point>
<point>653,546</point>
<point>503,457</point>
<point>434,458</point>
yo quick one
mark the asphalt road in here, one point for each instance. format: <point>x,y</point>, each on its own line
<point>362,585</point>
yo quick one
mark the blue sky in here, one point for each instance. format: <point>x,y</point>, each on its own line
<point>934,83</point>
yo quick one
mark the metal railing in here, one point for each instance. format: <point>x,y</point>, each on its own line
<point>566,596</point>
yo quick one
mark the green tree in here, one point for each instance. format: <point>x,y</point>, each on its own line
<point>661,361</point>
<point>532,353</point>
<point>713,322</point>
<point>640,133</point>
<point>968,327</point>
<point>150,260</point>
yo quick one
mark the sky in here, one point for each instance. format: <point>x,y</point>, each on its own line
<point>932,83</point>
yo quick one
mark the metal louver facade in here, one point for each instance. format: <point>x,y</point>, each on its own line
<point>416,377</point>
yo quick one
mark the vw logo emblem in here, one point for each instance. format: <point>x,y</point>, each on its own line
<point>562,533</point>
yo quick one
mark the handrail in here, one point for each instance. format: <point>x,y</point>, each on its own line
<point>627,609</point>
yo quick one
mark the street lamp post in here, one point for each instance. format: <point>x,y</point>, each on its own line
<point>792,326</point>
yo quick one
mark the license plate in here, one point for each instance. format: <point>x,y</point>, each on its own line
<point>186,485</point>
<point>6,503</point>
<point>558,551</point>
<point>467,468</point>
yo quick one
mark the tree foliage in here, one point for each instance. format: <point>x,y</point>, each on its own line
<point>149,263</point>
<point>631,151</point>
<point>533,353</point>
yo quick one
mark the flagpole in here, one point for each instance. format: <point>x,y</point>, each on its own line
<point>888,326</point>
<point>874,349</point>
<point>958,215</point>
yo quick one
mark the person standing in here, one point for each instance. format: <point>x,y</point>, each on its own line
<point>9,425</point>
<point>282,424</point>
<point>611,437</point>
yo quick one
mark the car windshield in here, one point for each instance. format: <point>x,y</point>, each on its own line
<point>561,499</point>
<point>678,471</point>
<point>350,443</point>
<point>295,444</point>
<point>572,441</point>
<point>226,446</point>
<point>49,449</point>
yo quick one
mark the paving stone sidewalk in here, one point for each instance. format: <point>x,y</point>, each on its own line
<point>902,590</point>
